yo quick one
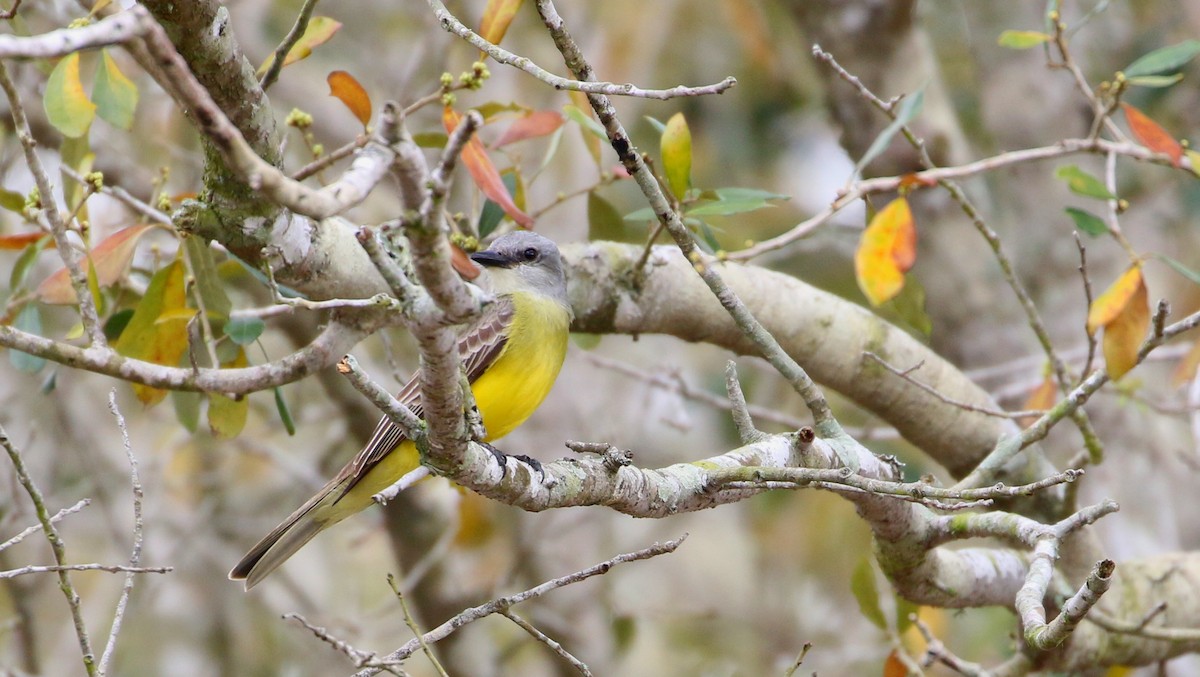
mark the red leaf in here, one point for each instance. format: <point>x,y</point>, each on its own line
<point>111,258</point>
<point>484,172</point>
<point>535,124</point>
<point>23,240</point>
<point>1151,134</point>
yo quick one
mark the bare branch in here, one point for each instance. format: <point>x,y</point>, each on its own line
<point>57,547</point>
<point>503,603</point>
<point>450,23</point>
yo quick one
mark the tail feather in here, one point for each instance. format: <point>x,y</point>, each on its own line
<point>284,540</point>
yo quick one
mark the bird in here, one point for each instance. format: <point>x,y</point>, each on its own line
<point>512,355</point>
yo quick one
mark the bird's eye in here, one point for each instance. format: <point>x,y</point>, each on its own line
<point>530,254</point>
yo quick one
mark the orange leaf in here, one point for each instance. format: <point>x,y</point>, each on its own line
<point>1151,134</point>
<point>1124,334</point>
<point>320,29</point>
<point>23,240</point>
<point>887,250</point>
<point>496,19</point>
<point>462,263</point>
<point>484,172</point>
<point>1112,302</point>
<point>893,666</point>
<point>535,124</point>
<point>110,258</point>
<point>348,91</point>
<point>1186,369</point>
<point>911,180</point>
<point>1040,399</point>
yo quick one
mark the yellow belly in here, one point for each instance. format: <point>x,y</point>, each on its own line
<point>519,380</point>
<point>507,393</point>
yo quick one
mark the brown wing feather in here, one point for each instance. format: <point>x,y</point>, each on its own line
<point>478,348</point>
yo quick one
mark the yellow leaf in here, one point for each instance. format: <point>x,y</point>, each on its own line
<point>67,105</point>
<point>144,338</point>
<point>318,32</point>
<point>350,92</point>
<point>227,415</point>
<point>676,146</point>
<point>887,251</point>
<point>1124,334</point>
<point>1112,302</point>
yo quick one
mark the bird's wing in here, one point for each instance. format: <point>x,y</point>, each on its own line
<point>478,348</point>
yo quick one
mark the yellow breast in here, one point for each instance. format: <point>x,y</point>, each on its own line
<point>515,385</point>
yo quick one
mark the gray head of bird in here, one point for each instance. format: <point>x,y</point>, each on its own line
<point>524,261</point>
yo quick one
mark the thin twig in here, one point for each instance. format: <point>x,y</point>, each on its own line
<point>135,555</point>
<point>63,568</point>
<point>56,546</point>
<point>500,604</point>
<point>966,406</point>
<point>29,531</point>
<point>544,639</point>
<point>289,41</point>
<point>416,630</point>
<point>451,23</point>
<point>1087,295</point>
<point>66,250</point>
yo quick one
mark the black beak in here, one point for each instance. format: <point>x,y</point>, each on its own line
<point>492,259</point>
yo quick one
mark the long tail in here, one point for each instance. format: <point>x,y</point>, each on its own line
<point>292,534</point>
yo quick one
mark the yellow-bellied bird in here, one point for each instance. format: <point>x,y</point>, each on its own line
<point>512,356</point>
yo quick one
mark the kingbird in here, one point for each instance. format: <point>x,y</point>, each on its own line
<point>512,355</point>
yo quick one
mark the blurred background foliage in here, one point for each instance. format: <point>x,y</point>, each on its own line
<point>754,581</point>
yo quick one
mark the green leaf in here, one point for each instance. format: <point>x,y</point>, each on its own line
<point>1164,60</point>
<point>285,414</point>
<point>244,330</point>
<point>208,282</point>
<point>909,307</point>
<point>67,105</point>
<point>909,107</point>
<point>604,221</point>
<point>735,193</point>
<point>1155,80</point>
<point>656,124</point>
<point>492,213</point>
<point>12,201</point>
<point>904,609</point>
<point>586,341</point>
<point>116,324</point>
<point>676,149</point>
<point>1183,270</point>
<point>431,139</point>
<point>187,408</point>
<point>115,95</point>
<point>491,109</point>
<point>866,592</point>
<point>20,271</point>
<point>726,207</point>
<point>1082,183</point>
<point>708,239</point>
<point>576,115</point>
<point>643,214</point>
<point>1087,222</point>
<point>1022,39</point>
<point>29,320</point>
